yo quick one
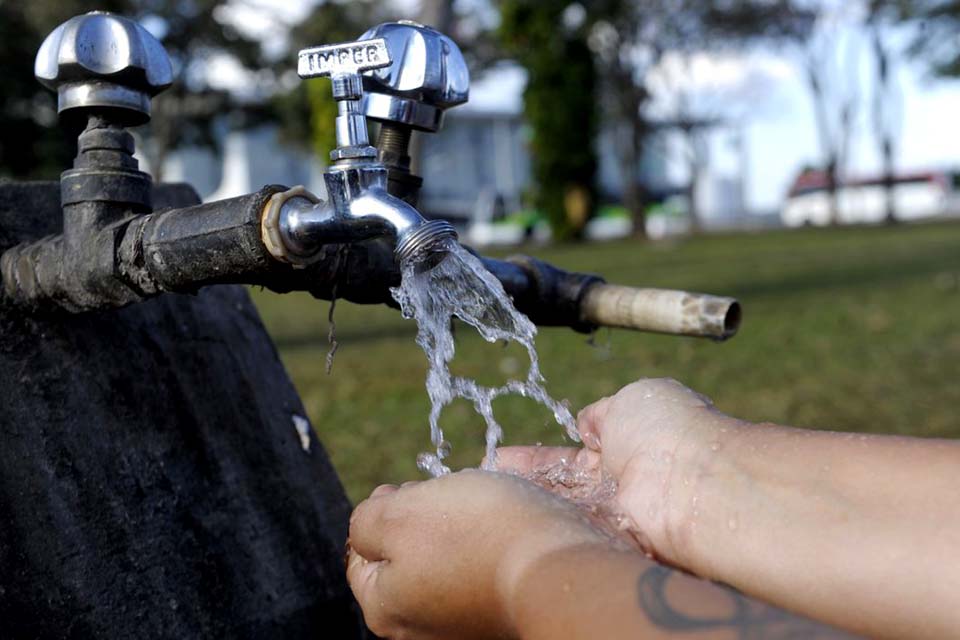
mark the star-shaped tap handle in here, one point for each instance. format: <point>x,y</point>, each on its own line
<point>343,64</point>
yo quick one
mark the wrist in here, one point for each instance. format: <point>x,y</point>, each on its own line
<point>694,483</point>
<point>708,523</point>
<point>558,594</point>
<point>544,548</point>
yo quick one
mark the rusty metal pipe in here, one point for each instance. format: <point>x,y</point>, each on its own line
<point>661,311</point>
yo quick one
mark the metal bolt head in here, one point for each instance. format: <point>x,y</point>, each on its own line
<point>101,60</point>
<point>427,75</point>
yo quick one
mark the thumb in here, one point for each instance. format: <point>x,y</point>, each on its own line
<point>364,576</point>
<point>590,423</point>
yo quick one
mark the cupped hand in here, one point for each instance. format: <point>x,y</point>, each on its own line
<point>652,438</point>
<point>442,558</point>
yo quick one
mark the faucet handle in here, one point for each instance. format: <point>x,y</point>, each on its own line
<point>100,60</point>
<point>428,75</point>
<point>346,59</point>
<point>343,64</point>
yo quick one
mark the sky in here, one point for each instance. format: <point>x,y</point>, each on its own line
<point>761,94</point>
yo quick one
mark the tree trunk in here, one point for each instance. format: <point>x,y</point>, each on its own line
<point>696,225</point>
<point>828,145</point>
<point>437,14</point>
<point>883,123</point>
<point>833,189</point>
<point>889,182</point>
<point>629,149</point>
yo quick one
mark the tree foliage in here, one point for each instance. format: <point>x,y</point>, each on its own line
<point>936,40</point>
<point>31,146</point>
<point>192,32</point>
<point>631,38</point>
<point>560,104</point>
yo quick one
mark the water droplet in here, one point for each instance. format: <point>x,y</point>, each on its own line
<point>714,446</point>
<point>732,523</point>
<point>430,463</point>
<point>443,451</point>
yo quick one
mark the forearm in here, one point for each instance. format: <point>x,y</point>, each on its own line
<point>859,531</point>
<point>598,592</point>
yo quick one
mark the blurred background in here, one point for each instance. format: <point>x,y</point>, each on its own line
<point>802,156</point>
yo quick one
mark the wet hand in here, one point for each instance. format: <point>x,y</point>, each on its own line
<point>653,438</point>
<point>442,558</point>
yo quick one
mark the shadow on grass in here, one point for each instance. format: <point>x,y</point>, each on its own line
<point>874,273</point>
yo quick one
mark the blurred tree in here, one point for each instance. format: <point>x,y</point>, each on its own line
<point>936,39</point>
<point>882,17</point>
<point>31,145</point>
<point>193,32</point>
<point>438,14</point>
<point>560,104</point>
<point>631,38</point>
<point>830,64</point>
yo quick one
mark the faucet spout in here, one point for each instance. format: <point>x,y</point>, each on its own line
<point>306,225</point>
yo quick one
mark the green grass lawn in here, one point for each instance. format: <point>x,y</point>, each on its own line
<point>852,329</point>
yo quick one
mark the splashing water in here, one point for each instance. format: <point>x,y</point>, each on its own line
<point>460,286</point>
<point>595,493</point>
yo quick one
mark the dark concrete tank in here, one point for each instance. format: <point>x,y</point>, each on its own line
<point>152,481</point>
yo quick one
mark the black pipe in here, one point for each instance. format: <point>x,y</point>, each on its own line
<point>183,250</point>
<point>220,242</point>
<point>549,296</point>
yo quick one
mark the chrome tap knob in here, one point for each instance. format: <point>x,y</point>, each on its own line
<point>343,63</point>
<point>101,60</point>
<point>427,76</point>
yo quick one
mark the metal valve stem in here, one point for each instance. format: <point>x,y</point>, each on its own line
<point>351,123</point>
<point>343,63</point>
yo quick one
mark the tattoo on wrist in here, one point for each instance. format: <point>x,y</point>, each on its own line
<point>748,619</point>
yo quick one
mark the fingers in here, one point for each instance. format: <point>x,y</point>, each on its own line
<point>383,490</point>
<point>366,525</point>
<point>590,422</point>
<point>523,460</point>
<point>367,535</point>
<point>362,575</point>
<point>364,578</point>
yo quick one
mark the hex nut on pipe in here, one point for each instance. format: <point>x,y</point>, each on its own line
<point>661,311</point>
<point>270,227</point>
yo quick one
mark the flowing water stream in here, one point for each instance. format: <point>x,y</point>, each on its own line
<point>460,286</point>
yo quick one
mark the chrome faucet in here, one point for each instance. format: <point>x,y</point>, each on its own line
<point>297,224</point>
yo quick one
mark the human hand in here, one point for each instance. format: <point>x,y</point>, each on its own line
<point>442,558</point>
<point>651,438</point>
